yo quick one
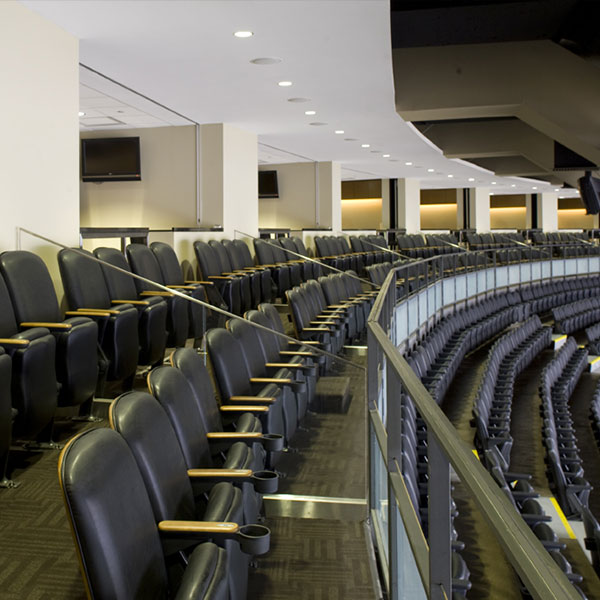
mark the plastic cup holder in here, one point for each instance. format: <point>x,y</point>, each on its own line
<point>254,539</point>
<point>273,442</point>
<point>265,482</point>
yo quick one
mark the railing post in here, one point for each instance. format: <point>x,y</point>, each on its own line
<point>440,523</point>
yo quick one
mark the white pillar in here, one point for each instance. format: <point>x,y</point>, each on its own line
<point>385,204</point>
<point>229,179</point>
<point>329,199</point>
<point>547,211</point>
<point>409,205</point>
<point>479,209</point>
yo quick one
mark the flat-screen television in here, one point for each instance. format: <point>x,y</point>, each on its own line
<point>267,184</point>
<point>589,187</point>
<point>110,159</point>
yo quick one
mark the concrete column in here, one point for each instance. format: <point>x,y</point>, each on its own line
<point>460,213</point>
<point>385,204</point>
<point>229,179</point>
<point>480,209</point>
<point>547,210</point>
<point>528,211</point>
<point>409,205</point>
<point>329,195</point>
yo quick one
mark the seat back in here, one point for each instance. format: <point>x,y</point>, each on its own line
<point>208,261</point>
<point>142,422</point>
<point>30,287</point>
<point>143,262</point>
<point>83,280</point>
<point>175,395</point>
<point>120,286</point>
<point>112,518</point>
<point>5,411</point>
<point>168,263</point>
<point>221,252</point>
<point>8,321</point>
<point>190,363</point>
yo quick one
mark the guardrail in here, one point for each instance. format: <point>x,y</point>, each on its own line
<point>412,295</point>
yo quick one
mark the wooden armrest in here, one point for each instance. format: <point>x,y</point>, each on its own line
<point>198,526</point>
<point>87,313</point>
<point>269,380</point>
<point>157,293</point>
<point>244,408</point>
<point>108,311</point>
<point>285,365</point>
<point>219,277</point>
<point>134,302</point>
<point>265,399</point>
<point>11,342</point>
<point>323,329</point>
<point>297,353</point>
<point>182,287</point>
<point>302,343</point>
<point>343,306</point>
<point>199,281</point>
<point>47,325</point>
<point>228,435</point>
<point>323,323</point>
<point>219,472</point>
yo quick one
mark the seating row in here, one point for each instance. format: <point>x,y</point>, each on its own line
<point>558,380</point>
<point>576,315</point>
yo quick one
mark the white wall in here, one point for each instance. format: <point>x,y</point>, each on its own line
<point>39,156</point>
<point>166,194</point>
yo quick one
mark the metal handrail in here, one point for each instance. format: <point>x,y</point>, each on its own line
<point>543,578</point>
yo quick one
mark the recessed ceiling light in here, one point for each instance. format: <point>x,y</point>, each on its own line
<point>534,187</point>
<point>471,178</point>
<point>284,83</point>
<point>267,60</point>
<point>339,131</point>
<point>365,145</point>
<point>450,176</point>
<point>310,112</point>
<point>317,124</point>
<point>243,34</point>
<point>491,193</point>
<point>557,189</point>
<point>514,185</point>
<point>81,113</point>
<point>408,164</point>
<point>430,170</point>
<point>494,182</point>
<point>386,156</point>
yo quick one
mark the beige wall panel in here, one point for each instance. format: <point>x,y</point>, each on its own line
<point>361,214</point>
<point>166,195</point>
<point>438,216</point>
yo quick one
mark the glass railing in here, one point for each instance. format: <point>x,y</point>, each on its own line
<point>412,296</point>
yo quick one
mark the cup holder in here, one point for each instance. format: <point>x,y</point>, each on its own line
<point>273,442</point>
<point>265,482</point>
<point>254,539</point>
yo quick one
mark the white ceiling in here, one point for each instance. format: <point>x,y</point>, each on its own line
<point>182,54</point>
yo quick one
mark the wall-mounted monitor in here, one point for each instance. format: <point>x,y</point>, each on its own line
<point>267,184</point>
<point>589,188</point>
<point>110,159</point>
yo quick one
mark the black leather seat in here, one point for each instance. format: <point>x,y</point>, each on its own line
<point>280,272</point>
<point>266,281</point>
<point>143,262</point>
<point>172,276</point>
<point>34,301</point>
<point>152,310</point>
<point>173,391</point>
<point>144,425</point>
<point>233,380</point>
<point>116,532</point>
<point>238,265</point>
<point>227,268</point>
<point>228,286</point>
<point>86,291</point>
<point>34,389</point>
